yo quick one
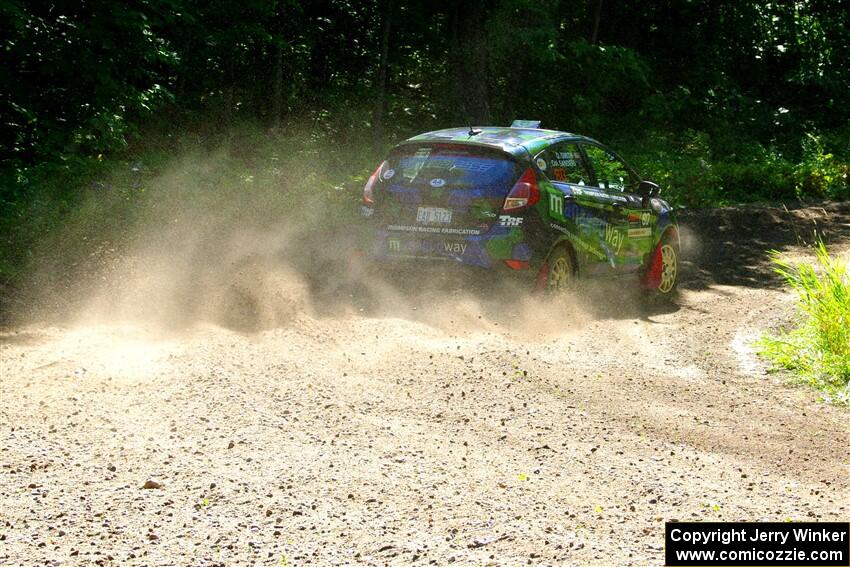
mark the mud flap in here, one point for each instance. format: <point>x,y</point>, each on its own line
<point>652,277</point>
<point>542,278</point>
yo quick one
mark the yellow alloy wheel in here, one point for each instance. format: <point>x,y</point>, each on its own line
<point>560,273</point>
<point>669,268</point>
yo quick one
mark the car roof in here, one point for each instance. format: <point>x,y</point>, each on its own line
<point>515,141</point>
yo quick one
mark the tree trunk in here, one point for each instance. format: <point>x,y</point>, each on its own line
<point>229,91</point>
<point>277,88</point>
<point>380,94</point>
<point>468,62</point>
<point>277,81</point>
<point>597,14</point>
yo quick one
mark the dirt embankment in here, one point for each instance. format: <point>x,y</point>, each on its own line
<point>430,427</point>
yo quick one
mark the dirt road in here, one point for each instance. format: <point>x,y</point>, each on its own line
<point>437,430</point>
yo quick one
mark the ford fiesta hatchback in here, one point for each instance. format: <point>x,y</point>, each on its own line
<point>546,205</point>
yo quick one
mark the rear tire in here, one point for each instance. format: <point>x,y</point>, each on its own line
<point>561,273</point>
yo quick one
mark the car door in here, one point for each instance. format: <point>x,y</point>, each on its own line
<point>628,236</point>
<point>577,212</point>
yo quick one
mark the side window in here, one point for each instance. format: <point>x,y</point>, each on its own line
<point>611,173</point>
<point>563,162</point>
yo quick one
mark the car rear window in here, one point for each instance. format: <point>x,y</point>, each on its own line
<point>451,166</point>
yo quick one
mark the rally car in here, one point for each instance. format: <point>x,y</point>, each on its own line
<point>548,205</point>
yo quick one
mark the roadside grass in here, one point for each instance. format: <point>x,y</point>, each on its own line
<point>817,349</point>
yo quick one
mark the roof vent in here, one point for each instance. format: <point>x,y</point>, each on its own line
<point>525,124</point>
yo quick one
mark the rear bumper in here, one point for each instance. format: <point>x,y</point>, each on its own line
<point>426,272</point>
<point>500,247</point>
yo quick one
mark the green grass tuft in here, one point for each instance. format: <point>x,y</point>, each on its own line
<point>818,349</point>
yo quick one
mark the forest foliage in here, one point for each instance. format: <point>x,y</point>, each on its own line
<point>718,101</point>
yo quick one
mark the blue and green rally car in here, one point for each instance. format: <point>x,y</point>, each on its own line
<point>548,205</point>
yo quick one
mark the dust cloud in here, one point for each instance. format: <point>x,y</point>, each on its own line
<point>208,239</point>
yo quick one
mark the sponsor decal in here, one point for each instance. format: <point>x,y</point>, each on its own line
<point>556,204</point>
<point>644,218</point>
<point>454,247</point>
<point>541,163</point>
<point>388,174</point>
<point>573,211</point>
<point>614,237</point>
<point>589,223</point>
<point>564,162</point>
<point>578,242</point>
<point>437,182</point>
<point>602,195</point>
<point>434,229</point>
<point>412,247</point>
<point>366,211</point>
<point>564,159</point>
<point>639,232</point>
<point>507,220</point>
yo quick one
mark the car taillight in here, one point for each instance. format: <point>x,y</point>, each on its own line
<point>524,193</point>
<point>368,197</point>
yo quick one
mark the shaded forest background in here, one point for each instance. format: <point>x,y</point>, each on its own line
<point>718,101</point>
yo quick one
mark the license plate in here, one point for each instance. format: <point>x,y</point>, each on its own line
<point>434,215</point>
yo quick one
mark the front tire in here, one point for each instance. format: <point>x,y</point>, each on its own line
<point>670,271</point>
<point>669,267</point>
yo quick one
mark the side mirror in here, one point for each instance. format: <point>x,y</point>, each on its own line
<point>649,188</point>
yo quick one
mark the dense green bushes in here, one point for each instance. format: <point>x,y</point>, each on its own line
<point>821,172</point>
<point>718,102</point>
<point>696,171</point>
